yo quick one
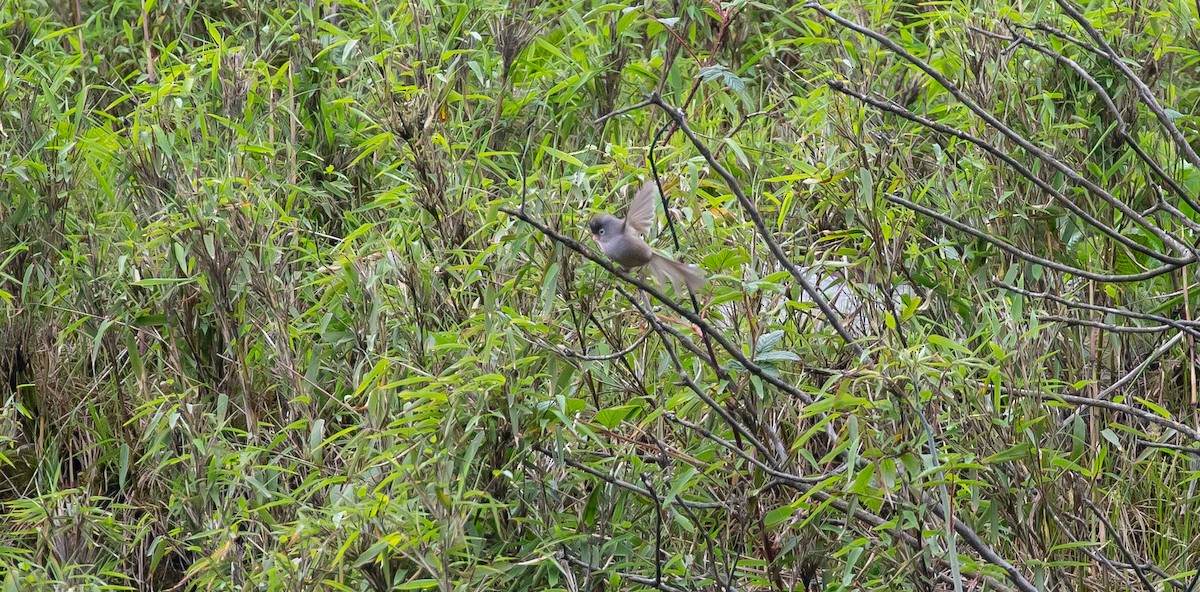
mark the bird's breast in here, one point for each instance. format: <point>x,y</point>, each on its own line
<point>630,251</point>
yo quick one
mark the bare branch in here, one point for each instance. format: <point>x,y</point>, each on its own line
<point>628,576</point>
<point>621,483</point>
<point>1189,327</point>
<point>1120,545</point>
<point>1012,163</point>
<point>781,476</point>
<point>1077,179</point>
<point>1166,446</point>
<point>620,112</point>
<point>1109,405</point>
<point>1121,382</point>
<point>604,358</point>
<point>830,315</point>
<point>1051,30</point>
<point>1147,96</point>
<point>1027,256</point>
<point>1105,326</point>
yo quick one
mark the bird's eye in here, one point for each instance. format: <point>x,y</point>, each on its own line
<point>601,233</point>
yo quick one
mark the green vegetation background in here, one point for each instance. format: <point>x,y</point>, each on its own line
<point>266,327</point>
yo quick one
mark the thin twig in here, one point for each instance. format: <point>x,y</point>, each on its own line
<point>1072,175</point>
<point>657,530</point>
<point>781,476</point>
<point>710,548</point>
<point>620,112</point>
<point>620,482</point>
<point>606,357</point>
<point>751,210</point>
<point>1056,32</point>
<point>1128,377</point>
<point>1120,545</point>
<point>1090,402</point>
<point>712,354</point>
<point>1164,445</point>
<point>1027,256</point>
<point>1188,327</point>
<point>1105,326</point>
<point>1016,166</point>
<point>969,535</point>
<point>628,576</point>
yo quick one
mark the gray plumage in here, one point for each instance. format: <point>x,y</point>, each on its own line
<point>621,241</point>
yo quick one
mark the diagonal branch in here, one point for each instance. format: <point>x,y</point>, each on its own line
<point>725,414</point>
<point>1144,91</point>
<point>1020,169</point>
<point>1122,128</point>
<point>1075,178</point>
<point>695,319</point>
<point>621,483</point>
<point>1027,256</point>
<point>1120,544</point>
<point>1132,374</point>
<point>1143,415</point>
<point>649,582</point>
<point>1189,327</point>
<point>759,224</point>
<point>1111,328</point>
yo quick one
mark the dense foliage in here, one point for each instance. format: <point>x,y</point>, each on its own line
<point>300,295</point>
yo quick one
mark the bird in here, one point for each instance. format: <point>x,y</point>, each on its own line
<point>621,241</point>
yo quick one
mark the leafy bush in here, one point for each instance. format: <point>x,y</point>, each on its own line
<point>299,296</point>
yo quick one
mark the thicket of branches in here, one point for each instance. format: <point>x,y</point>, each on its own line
<point>300,297</point>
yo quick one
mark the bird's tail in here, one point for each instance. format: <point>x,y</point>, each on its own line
<point>679,273</point>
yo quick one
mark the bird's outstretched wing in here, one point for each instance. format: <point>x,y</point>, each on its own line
<point>641,210</point>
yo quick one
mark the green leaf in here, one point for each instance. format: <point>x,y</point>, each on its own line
<point>912,303</point>
<point>553,49</point>
<point>613,416</point>
<point>1154,407</point>
<point>418,585</point>
<point>371,145</point>
<point>563,156</point>
<point>99,338</point>
<point>723,74</point>
<point>768,341</point>
<point>1015,452</point>
<point>777,356</point>
<point>123,466</point>
<point>1068,465</point>
<point>550,288</point>
<point>371,553</point>
<point>150,282</point>
<point>778,516</point>
<point>950,344</point>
